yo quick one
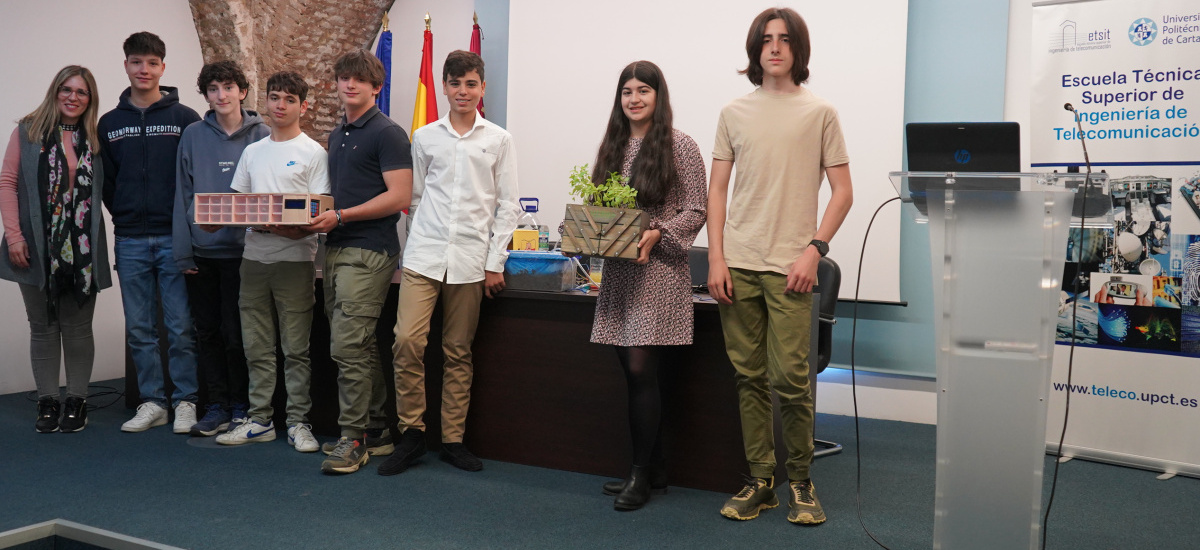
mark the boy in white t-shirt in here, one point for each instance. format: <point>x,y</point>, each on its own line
<point>277,268</point>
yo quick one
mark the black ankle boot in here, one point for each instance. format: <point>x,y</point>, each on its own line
<point>637,490</point>
<point>658,482</point>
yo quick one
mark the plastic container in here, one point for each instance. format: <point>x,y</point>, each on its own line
<point>527,235</point>
<point>544,271</point>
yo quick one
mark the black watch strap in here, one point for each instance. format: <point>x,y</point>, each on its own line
<point>822,247</point>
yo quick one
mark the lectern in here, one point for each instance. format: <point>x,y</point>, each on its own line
<point>998,243</point>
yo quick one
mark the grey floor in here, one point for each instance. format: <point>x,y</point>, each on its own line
<point>190,493</point>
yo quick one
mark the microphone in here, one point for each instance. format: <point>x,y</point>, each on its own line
<point>1079,128</point>
<point>1069,107</point>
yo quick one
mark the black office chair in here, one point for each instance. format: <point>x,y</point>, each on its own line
<point>829,282</point>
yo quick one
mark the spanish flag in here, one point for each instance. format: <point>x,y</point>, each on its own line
<point>425,110</point>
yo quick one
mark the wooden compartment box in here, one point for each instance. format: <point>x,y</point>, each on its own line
<point>603,232</point>
<point>259,208</point>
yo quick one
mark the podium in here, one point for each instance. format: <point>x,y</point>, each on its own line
<point>998,244</point>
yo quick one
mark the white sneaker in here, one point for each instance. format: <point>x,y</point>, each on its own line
<point>149,415</point>
<point>247,432</point>
<point>300,436</point>
<point>185,417</point>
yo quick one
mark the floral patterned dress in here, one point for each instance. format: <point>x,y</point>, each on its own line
<point>651,305</point>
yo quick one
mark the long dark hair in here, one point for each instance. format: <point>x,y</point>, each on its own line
<point>653,173</point>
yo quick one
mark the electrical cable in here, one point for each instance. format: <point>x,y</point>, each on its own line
<point>1087,184</point>
<point>853,385</point>
<point>105,391</point>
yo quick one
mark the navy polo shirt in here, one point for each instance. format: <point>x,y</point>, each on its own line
<point>359,153</point>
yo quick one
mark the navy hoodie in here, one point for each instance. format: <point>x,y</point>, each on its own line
<point>206,163</point>
<point>139,150</point>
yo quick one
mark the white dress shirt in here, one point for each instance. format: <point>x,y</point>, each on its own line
<point>464,203</point>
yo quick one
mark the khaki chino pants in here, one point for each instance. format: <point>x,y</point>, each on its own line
<point>460,306</point>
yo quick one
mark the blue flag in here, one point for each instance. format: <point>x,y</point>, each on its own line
<point>384,52</point>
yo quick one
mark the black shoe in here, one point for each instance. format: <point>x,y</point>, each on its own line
<point>636,492</point>
<point>457,455</point>
<point>47,419</point>
<point>412,447</point>
<point>658,483</point>
<point>74,416</point>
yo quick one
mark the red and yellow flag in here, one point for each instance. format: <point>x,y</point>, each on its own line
<point>425,110</point>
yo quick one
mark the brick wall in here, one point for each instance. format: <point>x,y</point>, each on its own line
<point>306,36</point>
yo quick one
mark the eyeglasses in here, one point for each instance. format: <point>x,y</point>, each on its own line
<point>67,91</point>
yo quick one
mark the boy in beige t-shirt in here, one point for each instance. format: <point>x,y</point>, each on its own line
<point>764,251</point>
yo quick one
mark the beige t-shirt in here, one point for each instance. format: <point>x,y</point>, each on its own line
<point>780,146</point>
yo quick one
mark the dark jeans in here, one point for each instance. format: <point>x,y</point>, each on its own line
<point>213,295</point>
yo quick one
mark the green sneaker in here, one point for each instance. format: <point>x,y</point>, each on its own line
<point>347,456</point>
<point>803,506</point>
<point>755,497</point>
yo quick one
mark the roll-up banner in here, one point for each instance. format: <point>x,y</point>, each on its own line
<point>1130,70</point>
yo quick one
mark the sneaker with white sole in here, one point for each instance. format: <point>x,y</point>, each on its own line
<point>149,415</point>
<point>185,417</point>
<point>248,432</point>
<point>300,436</point>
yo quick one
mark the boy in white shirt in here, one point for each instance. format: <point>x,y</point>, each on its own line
<point>277,268</point>
<point>464,212</point>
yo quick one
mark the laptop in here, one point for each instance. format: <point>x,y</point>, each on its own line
<point>962,147</point>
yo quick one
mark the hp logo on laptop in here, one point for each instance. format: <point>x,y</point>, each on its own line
<point>962,156</point>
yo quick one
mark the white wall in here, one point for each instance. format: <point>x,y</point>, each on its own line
<point>38,39</point>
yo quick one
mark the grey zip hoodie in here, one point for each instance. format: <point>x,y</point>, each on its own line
<point>205,164</point>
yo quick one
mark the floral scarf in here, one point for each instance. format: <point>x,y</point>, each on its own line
<point>68,217</point>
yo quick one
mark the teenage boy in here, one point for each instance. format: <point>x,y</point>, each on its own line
<point>139,140</point>
<point>211,256</point>
<point>370,170</point>
<point>763,256</point>
<point>277,268</point>
<point>464,212</point>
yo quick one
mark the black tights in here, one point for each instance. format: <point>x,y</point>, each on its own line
<point>641,365</point>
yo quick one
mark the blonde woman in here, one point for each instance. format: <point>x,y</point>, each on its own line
<point>54,246</point>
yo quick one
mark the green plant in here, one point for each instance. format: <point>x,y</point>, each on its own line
<point>613,193</point>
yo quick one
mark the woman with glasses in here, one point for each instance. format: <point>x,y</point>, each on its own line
<point>54,245</point>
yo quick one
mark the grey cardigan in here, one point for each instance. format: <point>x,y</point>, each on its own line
<point>34,228</point>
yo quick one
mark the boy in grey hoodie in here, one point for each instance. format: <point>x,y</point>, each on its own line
<point>211,256</point>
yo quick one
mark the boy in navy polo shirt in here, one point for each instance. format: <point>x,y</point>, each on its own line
<point>370,171</point>
<point>139,140</point>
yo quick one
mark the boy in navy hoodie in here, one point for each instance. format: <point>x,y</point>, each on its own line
<point>210,257</point>
<point>139,140</point>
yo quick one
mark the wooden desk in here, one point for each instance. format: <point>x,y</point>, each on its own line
<point>543,395</point>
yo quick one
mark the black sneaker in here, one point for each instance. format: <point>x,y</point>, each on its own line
<point>74,416</point>
<point>457,455</point>
<point>756,496</point>
<point>804,508</point>
<point>412,447</point>
<point>47,418</point>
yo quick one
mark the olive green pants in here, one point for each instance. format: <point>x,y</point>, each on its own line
<point>767,337</point>
<point>355,282</point>
<point>280,291</point>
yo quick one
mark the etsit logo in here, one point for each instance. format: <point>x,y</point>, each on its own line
<point>1072,37</point>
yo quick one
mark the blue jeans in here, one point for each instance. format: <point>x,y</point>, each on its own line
<point>143,263</point>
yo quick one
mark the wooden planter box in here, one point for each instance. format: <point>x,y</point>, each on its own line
<point>603,232</point>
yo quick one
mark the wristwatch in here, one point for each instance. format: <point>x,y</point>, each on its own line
<point>822,247</point>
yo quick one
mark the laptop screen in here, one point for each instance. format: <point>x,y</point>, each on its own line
<point>961,147</point>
